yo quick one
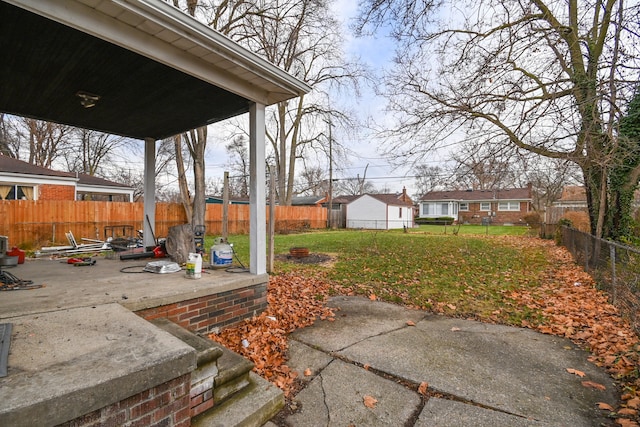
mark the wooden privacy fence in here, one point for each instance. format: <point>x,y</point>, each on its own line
<point>32,224</point>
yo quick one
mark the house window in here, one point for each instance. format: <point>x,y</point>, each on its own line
<point>439,209</point>
<point>485,206</point>
<point>400,213</point>
<point>464,206</point>
<point>16,192</point>
<point>509,206</point>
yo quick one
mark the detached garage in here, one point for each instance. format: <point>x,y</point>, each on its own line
<point>380,211</point>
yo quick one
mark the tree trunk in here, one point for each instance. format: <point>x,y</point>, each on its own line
<point>185,198</point>
<point>199,199</point>
<point>282,153</point>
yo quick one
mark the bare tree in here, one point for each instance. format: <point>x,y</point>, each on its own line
<point>238,151</point>
<point>91,151</point>
<point>225,17</point>
<point>355,186</point>
<point>548,177</point>
<point>483,167</point>
<point>313,182</point>
<point>39,141</point>
<point>303,38</point>
<point>429,178</point>
<point>549,77</point>
<point>133,176</point>
<point>9,144</point>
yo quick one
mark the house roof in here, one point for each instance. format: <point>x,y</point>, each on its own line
<point>217,200</point>
<point>90,180</point>
<point>393,199</point>
<point>9,165</point>
<point>157,71</point>
<point>306,200</point>
<point>573,193</point>
<point>478,195</point>
<point>344,199</point>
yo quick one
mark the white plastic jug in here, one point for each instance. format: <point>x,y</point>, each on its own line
<point>194,266</point>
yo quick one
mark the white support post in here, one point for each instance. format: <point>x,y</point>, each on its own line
<point>149,219</point>
<point>257,192</point>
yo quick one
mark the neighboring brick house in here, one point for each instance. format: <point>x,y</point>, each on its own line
<point>23,181</point>
<point>574,199</point>
<point>504,206</point>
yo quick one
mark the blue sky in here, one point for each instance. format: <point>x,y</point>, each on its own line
<point>376,53</point>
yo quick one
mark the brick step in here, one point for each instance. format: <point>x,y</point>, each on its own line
<point>233,375</point>
<point>224,390</point>
<point>252,407</point>
<point>208,351</point>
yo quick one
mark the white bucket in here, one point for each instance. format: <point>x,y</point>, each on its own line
<point>194,266</point>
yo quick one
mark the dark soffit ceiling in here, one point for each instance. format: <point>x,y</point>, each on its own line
<point>44,64</point>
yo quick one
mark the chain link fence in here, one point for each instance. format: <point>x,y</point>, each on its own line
<point>614,267</point>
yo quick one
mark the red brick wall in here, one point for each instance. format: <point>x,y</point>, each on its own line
<point>201,397</point>
<point>474,215</point>
<point>56,192</point>
<point>203,315</point>
<point>167,405</point>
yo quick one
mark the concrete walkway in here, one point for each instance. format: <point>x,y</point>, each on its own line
<point>477,374</point>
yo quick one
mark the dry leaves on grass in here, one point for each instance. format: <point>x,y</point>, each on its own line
<point>294,302</point>
<point>575,309</point>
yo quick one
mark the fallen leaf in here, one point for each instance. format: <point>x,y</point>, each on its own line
<point>626,423</point>
<point>373,297</point>
<point>634,403</point>
<point>454,329</point>
<point>451,306</point>
<point>422,389</point>
<point>605,406</point>
<point>370,401</point>
<point>411,323</point>
<point>591,384</point>
<point>308,372</point>
<point>576,372</point>
<point>293,306</point>
<point>366,366</point>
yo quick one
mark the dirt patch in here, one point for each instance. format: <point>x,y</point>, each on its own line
<point>311,259</point>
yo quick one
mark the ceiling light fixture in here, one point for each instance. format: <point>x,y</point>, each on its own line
<point>87,100</point>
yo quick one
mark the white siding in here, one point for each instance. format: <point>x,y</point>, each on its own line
<point>371,213</point>
<point>399,216</point>
<point>367,212</point>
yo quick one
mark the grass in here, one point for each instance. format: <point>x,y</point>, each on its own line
<point>469,229</point>
<point>465,275</point>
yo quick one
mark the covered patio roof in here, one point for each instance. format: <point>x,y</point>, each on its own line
<point>155,71</point>
<point>141,69</point>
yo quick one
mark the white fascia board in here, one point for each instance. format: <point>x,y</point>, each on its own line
<point>19,178</point>
<point>103,189</point>
<point>220,44</point>
<point>91,21</point>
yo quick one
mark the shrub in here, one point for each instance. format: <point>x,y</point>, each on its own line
<point>578,219</point>
<point>558,234</point>
<point>441,220</point>
<point>532,219</point>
